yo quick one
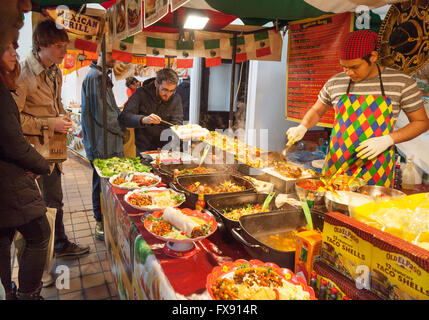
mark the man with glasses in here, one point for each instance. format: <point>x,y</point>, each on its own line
<point>154,101</point>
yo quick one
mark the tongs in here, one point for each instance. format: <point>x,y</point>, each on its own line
<point>307,212</point>
<point>203,157</point>
<point>267,201</point>
<point>163,121</point>
<point>166,122</point>
<point>284,152</point>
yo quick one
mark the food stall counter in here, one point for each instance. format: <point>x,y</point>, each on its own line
<point>143,267</point>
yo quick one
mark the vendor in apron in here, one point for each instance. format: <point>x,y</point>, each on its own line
<point>367,99</point>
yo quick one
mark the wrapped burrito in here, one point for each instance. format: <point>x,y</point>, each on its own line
<point>184,223</point>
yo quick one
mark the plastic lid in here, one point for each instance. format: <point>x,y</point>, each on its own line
<point>323,282</point>
<point>314,274</point>
<point>334,291</point>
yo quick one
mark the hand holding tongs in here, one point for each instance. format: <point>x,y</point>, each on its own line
<point>288,145</point>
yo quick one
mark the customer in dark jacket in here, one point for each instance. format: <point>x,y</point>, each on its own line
<point>154,101</point>
<point>22,207</point>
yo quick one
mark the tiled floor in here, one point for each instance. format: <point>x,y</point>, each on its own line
<point>90,276</point>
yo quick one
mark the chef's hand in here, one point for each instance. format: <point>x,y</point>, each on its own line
<point>371,148</point>
<point>295,134</point>
<point>151,119</point>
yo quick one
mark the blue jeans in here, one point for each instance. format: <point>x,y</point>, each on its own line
<point>96,190</point>
<point>36,234</point>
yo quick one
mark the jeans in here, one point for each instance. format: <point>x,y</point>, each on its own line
<point>36,234</point>
<point>96,190</point>
<point>52,194</point>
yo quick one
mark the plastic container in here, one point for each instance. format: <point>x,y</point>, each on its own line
<point>410,175</point>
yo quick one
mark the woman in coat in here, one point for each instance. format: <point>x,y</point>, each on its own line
<point>22,208</point>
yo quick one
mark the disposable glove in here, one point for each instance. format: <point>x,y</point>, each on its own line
<point>295,134</point>
<point>371,148</point>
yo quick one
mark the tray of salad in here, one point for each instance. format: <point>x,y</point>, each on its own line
<point>107,168</point>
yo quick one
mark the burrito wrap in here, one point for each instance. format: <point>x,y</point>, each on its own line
<point>180,221</point>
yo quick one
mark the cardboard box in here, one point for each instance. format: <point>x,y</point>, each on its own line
<point>399,269</point>
<point>346,244</point>
<point>388,266</point>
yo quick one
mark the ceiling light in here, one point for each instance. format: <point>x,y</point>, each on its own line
<point>196,21</point>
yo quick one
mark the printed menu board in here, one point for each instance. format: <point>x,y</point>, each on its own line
<point>313,57</point>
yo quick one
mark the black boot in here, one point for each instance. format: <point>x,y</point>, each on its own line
<point>12,294</point>
<point>35,295</point>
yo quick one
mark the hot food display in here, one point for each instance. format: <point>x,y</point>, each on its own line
<point>150,199</point>
<point>179,224</point>
<point>134,181</point>
<point>228,200</point>
<point>180,228</point>
<point>255,280</point>
<point>242,152</point>
<point>196,170</point>
<point>223,187</point>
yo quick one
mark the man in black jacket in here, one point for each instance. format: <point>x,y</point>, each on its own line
<point>154,101</point>
<point>22,207</point>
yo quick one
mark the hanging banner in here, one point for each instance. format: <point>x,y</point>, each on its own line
<point>155,46</point>
<point>313,58</point>
<point>111,24</point>
<point>212,48</point>
<point>121,18</point>
<point>155,61</point>
<point>240,55</point>
<point>139,59</point>
<point>185,49</point>
<point>134,16</point>
<point>176,4</point>
<point>85,45</point>
<point>154,10</point>
<point>123,50</point>
<point>185,63</point>
<point>75,23</point>
<point>262,41</point>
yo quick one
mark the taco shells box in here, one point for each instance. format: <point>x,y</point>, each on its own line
<point>399,269</point>
<point>346,244</point>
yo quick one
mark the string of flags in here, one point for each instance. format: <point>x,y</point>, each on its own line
<point>123,24</point>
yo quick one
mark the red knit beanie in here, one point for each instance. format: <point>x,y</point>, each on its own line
<point>358,44</point>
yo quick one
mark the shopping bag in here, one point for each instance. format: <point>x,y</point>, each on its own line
<point>19,241</point>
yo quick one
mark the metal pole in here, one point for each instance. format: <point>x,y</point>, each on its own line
<point>231,100</point>
<point>103,94</point>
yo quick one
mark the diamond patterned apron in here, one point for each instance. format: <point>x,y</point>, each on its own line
<point>358,118</point>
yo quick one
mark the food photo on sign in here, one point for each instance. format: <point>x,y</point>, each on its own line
<point>134,16</point>
<point>121,23</point>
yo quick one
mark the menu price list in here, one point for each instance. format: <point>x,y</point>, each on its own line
<point>313,58</point>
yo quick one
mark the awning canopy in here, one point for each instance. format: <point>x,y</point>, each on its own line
<point>252,11</point>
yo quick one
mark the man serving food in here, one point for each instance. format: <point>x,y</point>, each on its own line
<point>367,99</point>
